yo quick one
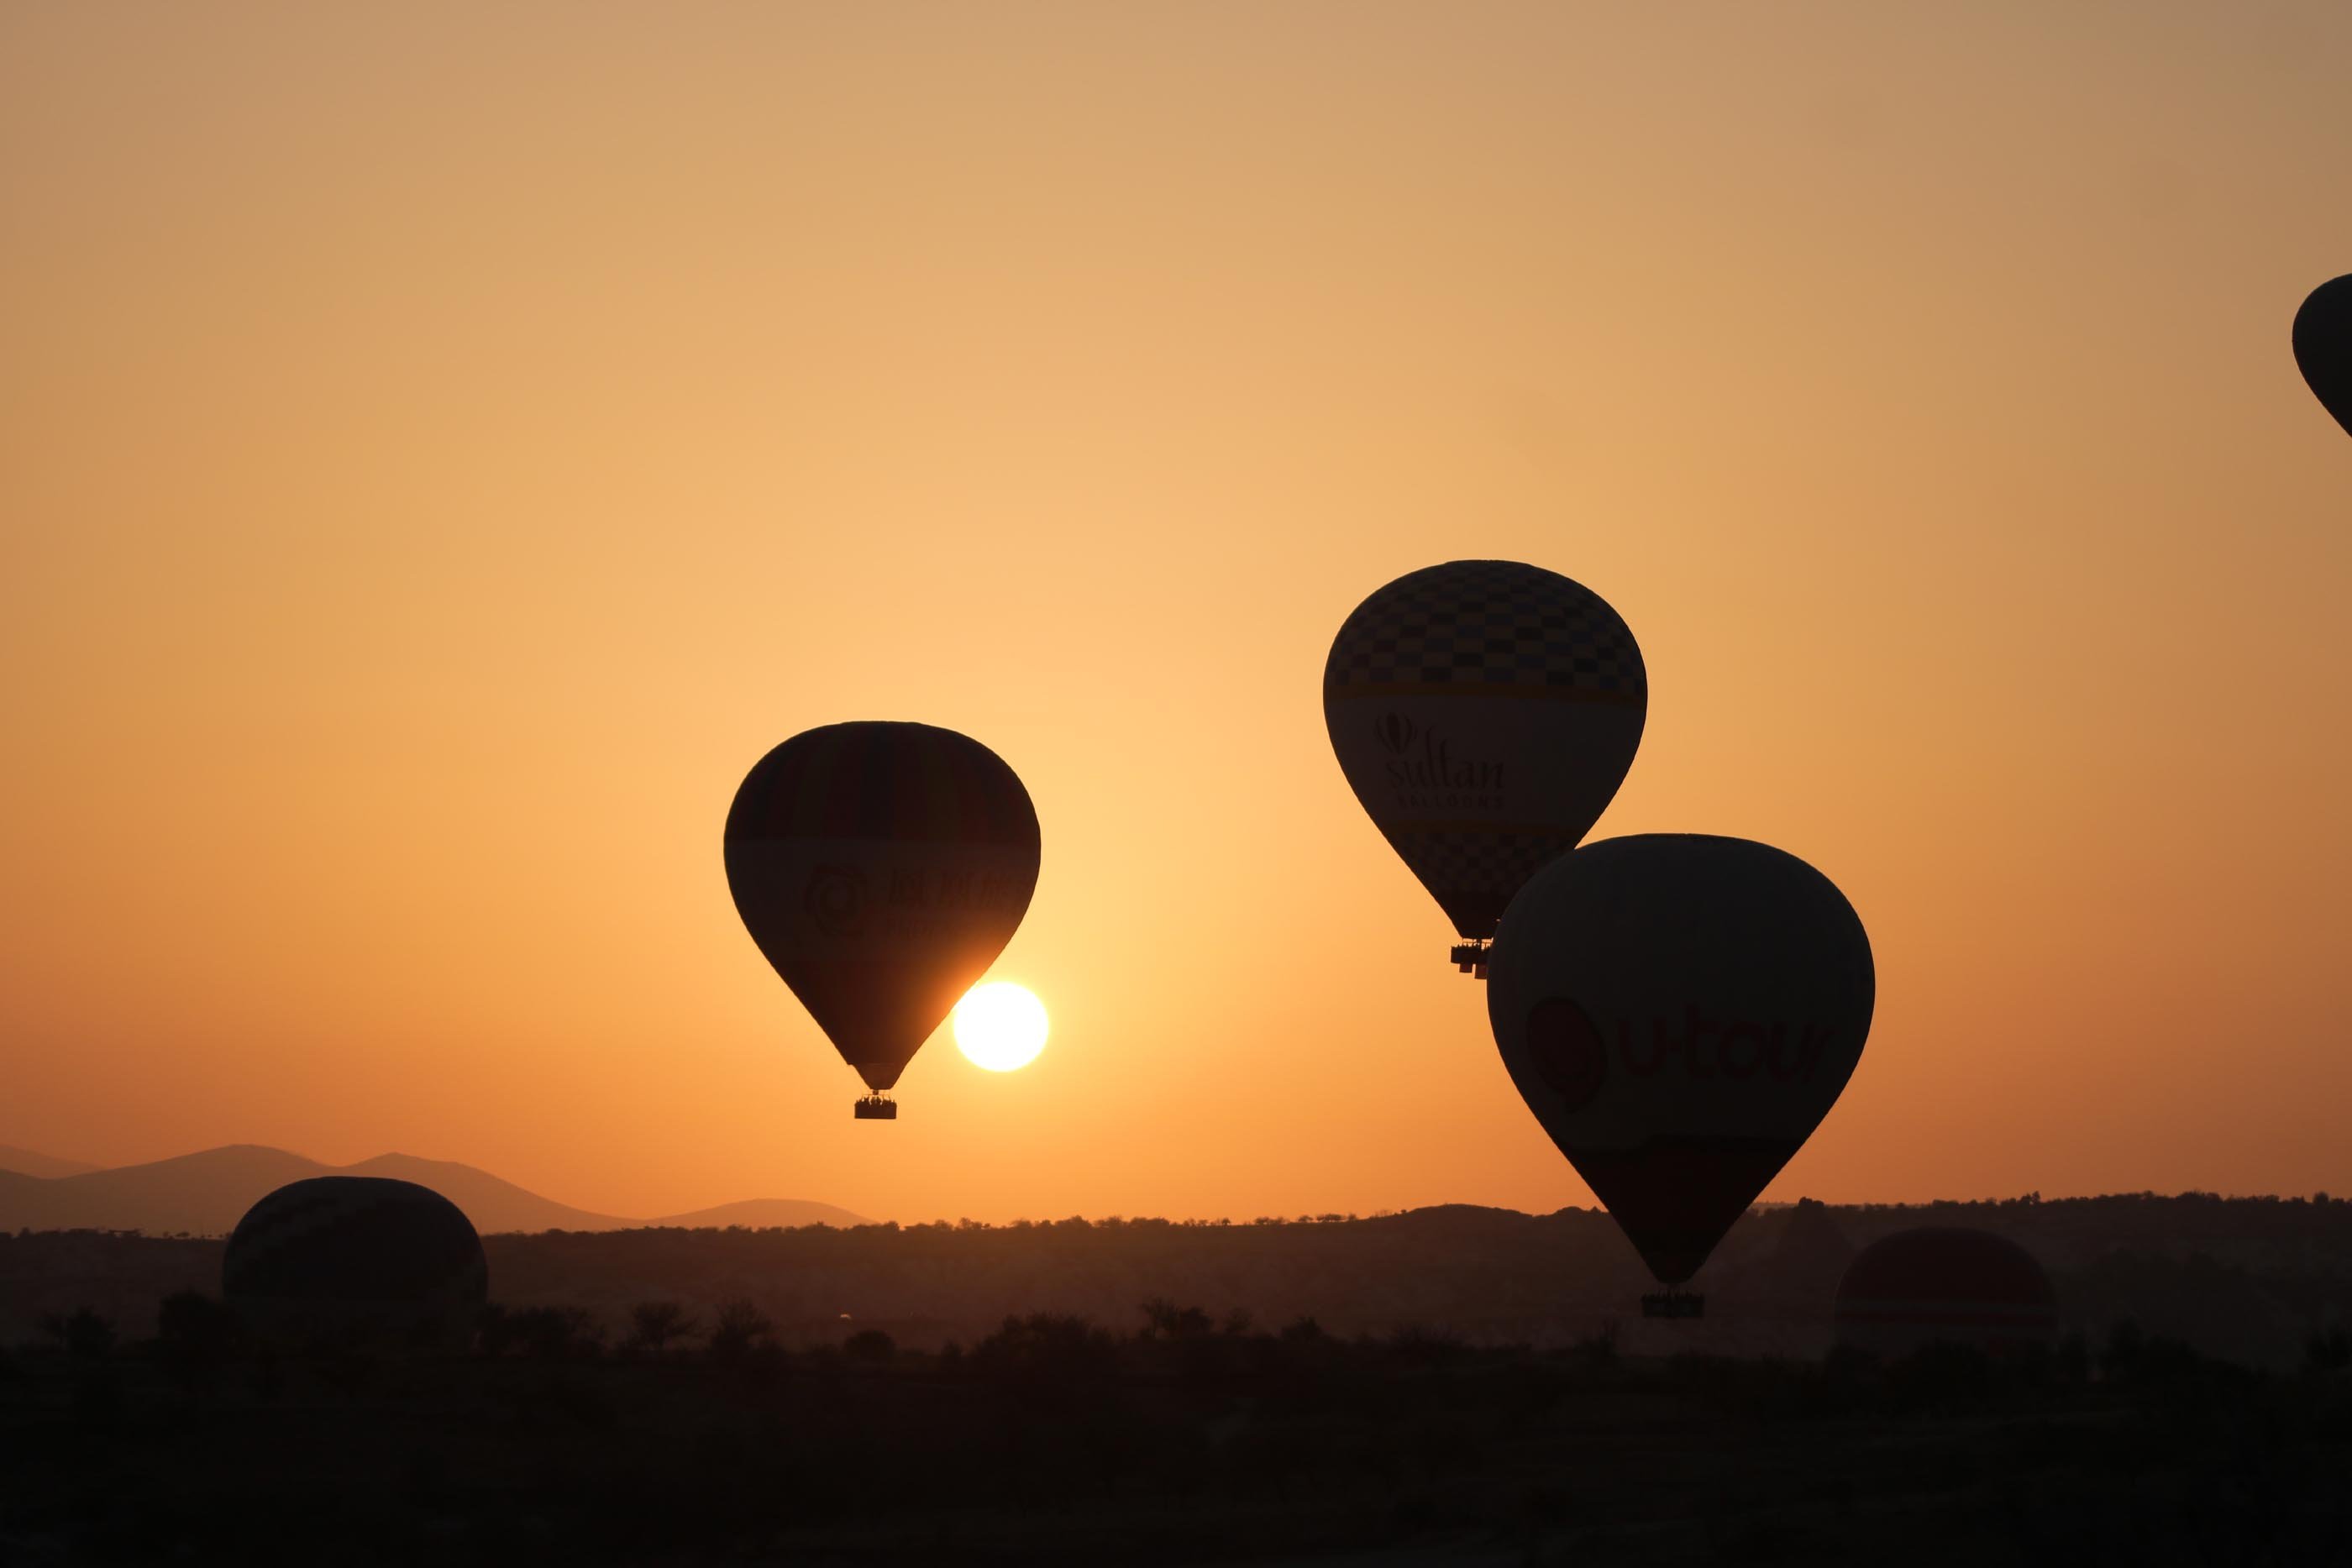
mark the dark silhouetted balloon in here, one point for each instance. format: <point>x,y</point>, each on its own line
<point>344,1254</point>
<point>881,868</point>
<point>1945,1283</point>
<point>1679,1011</point>
<point>1484,713</point>
<point>2322,346</point>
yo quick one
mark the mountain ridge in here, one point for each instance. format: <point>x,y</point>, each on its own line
<point>205,1193</point>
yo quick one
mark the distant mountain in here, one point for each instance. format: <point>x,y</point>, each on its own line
<point>203,1194</point>
<point>25,1162</point>
<point>207,1194</point>
<point>490,1203</point>
<point>761,1213</point>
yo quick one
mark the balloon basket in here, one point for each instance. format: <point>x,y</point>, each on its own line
<point>876,1108</point>
<point>1470,958</point>
<point>1674,1304</point>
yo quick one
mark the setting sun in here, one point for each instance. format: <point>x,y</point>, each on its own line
<point>1000,1026</point>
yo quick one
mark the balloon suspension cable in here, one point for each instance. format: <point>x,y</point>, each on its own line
<point>876,1108</point>
<point>1470,958</point>
<point>1674,1304</point>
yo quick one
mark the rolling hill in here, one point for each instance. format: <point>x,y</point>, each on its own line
<point>206,1194</point>
<point>25,1162</point>
<point>761,1213</point>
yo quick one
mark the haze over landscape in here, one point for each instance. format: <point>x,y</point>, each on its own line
<point>443,450</point>
<point>206,1194</point>
<point>906,783</point>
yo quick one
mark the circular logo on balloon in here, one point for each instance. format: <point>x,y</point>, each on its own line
<point>836,899</point>
<point>1567,1051</point>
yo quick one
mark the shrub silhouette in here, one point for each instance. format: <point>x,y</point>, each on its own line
<point>869,1345</point>
<point>85,1335</point>
<point>1049,1354</point>
<point>1163,1318</point>
<point>1418,1345</point>
<point>540,1333</point>
<point>1598,1350</point>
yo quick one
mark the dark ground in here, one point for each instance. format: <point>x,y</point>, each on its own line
<point>695,1396</point>
<point>1054,1441</point>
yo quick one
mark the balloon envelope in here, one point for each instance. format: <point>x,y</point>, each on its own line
<point>1945,1283</point>
<point>2322,346</point>
<point>1679,1011</point>
<point>340,1254</point>
<point>1484,713</point>
<point>881,868</point>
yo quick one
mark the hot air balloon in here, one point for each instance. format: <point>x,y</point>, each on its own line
<point>344,1258</point>
<point>1679,1011</point>
<point>881,868</point>
<point>2322,346</point>
<point>1945,1283</point>
<point>1485,712</point>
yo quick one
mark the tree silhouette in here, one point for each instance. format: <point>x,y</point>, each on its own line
<point>741,1326</point>
<point>654,1325</point>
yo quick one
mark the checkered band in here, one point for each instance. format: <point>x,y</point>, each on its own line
<point>1473,874</point>
<point>1495,623</point>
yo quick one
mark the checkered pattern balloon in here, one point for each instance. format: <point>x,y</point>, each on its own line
<point>1484,712</point>
<point>1473,624</point>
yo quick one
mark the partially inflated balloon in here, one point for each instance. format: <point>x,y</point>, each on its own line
<point>1484,713</point>
<point>1945,1283</point>
<point>881,868</point>
<point>2322,346</point>
<point>345,1257</point>
<point>1679,1012</point>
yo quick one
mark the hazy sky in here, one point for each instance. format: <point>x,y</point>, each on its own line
<point>442,447</point>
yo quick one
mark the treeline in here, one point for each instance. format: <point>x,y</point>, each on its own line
<point>2245,1279</point>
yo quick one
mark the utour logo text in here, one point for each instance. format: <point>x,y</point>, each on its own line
<point>1721,1048</point>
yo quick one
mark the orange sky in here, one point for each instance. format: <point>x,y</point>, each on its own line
<point>439,452</point>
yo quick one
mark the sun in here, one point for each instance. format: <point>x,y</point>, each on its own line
<point>1000,1026</point>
